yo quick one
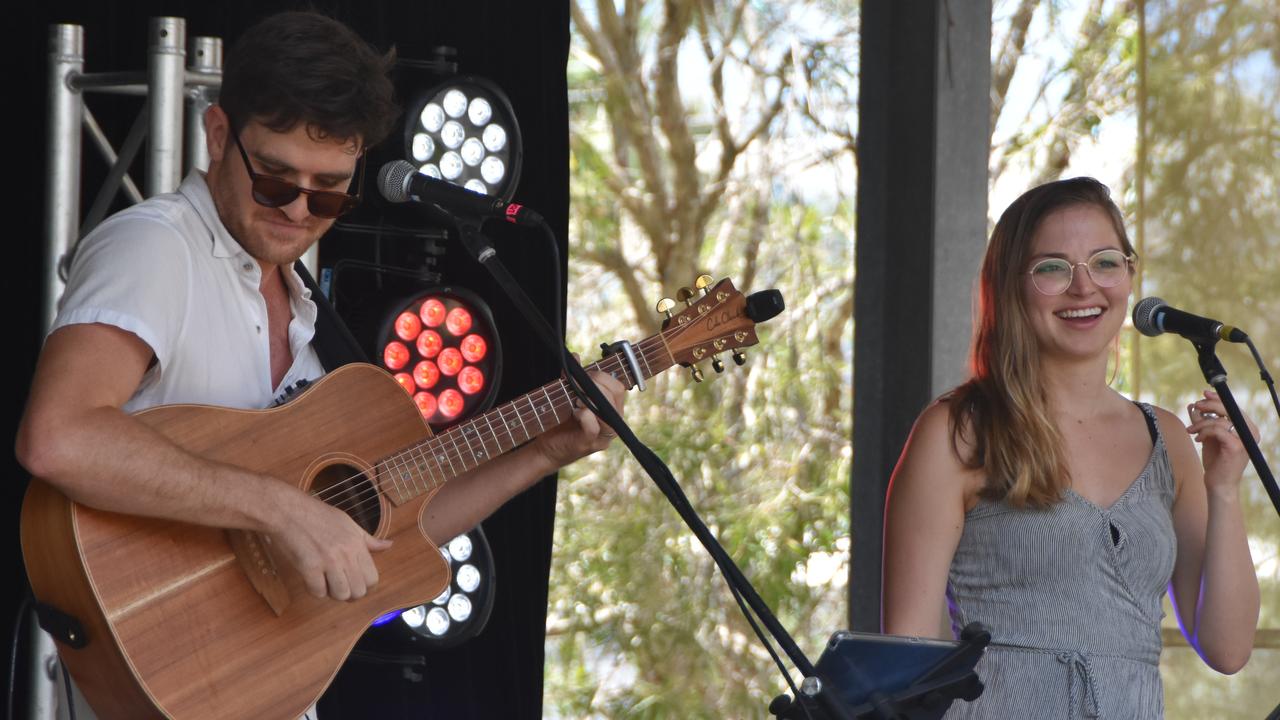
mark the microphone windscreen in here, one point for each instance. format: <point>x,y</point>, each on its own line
<point>1144,316</point>
<point>393,180</point>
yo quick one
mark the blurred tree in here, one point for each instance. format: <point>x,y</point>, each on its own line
<point>708,136</point>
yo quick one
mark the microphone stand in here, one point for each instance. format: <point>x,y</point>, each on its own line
<point>1216,375</point>
<point>814,696</point>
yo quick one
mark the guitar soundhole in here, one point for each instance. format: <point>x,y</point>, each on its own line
<point>351,491</point>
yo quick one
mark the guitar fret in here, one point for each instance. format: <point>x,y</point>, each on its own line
<point>432,453</point>
<point>390,478</point>
<point>405,477</point>
<point>535,415</point>
<point>496,442</point>
<point>453,439</point>
<point>409,471</point>
<point>551,405</point>
<point>626,377</point>
<point>398,475</point>
<point>509,425</point>
<point>520,419</point>
<point>424,470</point>
<point>645,357</point>
<point>444,455</point>
<point>567,395</point>
<point>468,431</point>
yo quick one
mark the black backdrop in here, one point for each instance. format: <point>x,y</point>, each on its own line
<point>522,46</point>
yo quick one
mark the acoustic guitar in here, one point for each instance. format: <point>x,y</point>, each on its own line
<point>156,618</point>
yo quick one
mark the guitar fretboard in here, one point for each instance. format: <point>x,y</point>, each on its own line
<point>430,464</point>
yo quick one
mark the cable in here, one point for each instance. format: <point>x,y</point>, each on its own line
<point>66,685</point>
<point>1266,376</point>
<point>746,612</point>
<point>13,651</point>
<point>558,314</point>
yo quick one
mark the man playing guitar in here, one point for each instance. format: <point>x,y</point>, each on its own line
<point>191,297</point>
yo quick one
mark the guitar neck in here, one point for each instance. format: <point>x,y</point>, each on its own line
<point>465,446</point>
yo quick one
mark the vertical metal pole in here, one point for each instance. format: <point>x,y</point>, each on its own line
<point>62,184</point>
<point>206,58</point>
<point>924,110</point>
<point>166,78</point>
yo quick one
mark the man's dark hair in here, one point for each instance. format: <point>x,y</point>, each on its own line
<point>303,67</point>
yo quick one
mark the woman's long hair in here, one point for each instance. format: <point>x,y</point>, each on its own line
<point>1002,413</point>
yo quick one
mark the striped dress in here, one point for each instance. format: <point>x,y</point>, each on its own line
<point>1073,596</point>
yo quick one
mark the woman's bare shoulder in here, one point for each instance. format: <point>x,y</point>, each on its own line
<point>935,456</point>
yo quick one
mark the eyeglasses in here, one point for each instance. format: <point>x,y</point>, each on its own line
<point>1107,268</point>
<point>274,192</point>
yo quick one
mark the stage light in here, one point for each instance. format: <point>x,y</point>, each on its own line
<point>406,382</point>
<point>408,326</point>
<point>429,343</point>
<point>466,133</point>
<point>473,348</point>
<point>452,403</point>
<point>471,380</point>
<point>459,612</point>
<point>427,403</point>
<point>453,364</point>
<point>426,374</point>
<point>395,356</point>
<point>458,321</point>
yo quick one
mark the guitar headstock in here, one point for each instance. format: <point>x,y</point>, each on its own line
<point>718,320</point>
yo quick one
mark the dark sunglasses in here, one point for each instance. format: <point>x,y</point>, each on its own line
<point>274,192</point>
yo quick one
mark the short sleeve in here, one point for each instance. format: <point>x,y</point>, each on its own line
<point>132,273</point>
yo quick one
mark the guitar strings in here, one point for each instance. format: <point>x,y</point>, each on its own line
<point>368,496</point>
<point>414,460</point>
<point>365,494</point>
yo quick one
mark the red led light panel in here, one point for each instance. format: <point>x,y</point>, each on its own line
<point>432,312</point>
<point>395,355</point>
<point>458,322</point>
<point>426,403</point>
<point>429,343</point>
<point>408,326</point>
<point>450,361</point>
<point>451,403</point>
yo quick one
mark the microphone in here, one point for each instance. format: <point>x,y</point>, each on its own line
<point>400,181</point>
<point>1152,316</point>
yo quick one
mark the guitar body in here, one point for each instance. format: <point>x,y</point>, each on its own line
<point>174,627</point>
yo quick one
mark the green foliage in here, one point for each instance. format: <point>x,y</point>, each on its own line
<point>641,623</point>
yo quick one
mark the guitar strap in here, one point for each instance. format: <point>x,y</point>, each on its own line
<point>333,341</point>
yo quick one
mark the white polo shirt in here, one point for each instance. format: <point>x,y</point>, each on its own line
<point>168,271</point>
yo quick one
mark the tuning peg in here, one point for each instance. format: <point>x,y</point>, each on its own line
<point>704,283</point>
<point>686,295</point>
<point>717,364</point>
<point>739,357</point>
<point>697,374</point>
<point>665,306</point>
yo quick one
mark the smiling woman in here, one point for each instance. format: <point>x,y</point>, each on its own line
<point>1040,502</point>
